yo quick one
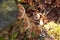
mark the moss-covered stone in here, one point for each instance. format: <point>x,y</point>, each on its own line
<point>8,12</point>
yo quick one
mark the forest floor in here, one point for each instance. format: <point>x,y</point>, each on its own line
<point>37,20</point>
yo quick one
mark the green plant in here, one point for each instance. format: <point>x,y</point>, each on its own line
<point>1,38</point>
<point>14,35</point>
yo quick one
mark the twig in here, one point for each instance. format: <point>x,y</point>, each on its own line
<point>46,13</point>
